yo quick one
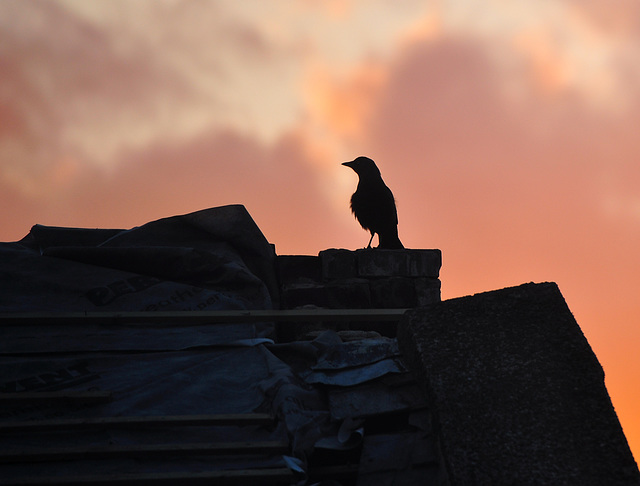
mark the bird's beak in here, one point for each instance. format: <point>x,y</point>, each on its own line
<point>348,164</point>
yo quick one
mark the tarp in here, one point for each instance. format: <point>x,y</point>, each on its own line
<point>212,259</point>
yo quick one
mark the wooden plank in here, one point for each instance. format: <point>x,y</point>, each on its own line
<point>131,422</point>
<point>242,477</point>
<point>53,454</point>
<point>200,317</point>
<point>54,397</point>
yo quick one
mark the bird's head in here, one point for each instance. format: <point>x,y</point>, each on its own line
<point>364,167</point>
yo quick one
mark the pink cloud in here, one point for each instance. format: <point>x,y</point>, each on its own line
<point>477,172</point>
<point>278,185</point>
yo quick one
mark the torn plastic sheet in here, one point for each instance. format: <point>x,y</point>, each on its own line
<point>357,353</point>
<point>353,362</point>
<point>329,361</point>
<point>207,260</point>
<point>237,379</point>
<point>164,383</point>
<point>355,376</point>
<point>301,408</point>
<point>212,381</point>
<point>375,398</point>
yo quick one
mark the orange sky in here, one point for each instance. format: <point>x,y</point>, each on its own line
<point>509,134</point>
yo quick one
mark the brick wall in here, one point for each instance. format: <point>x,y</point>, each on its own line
<point>360,279</point>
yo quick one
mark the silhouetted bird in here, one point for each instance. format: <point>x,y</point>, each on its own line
<point>373,204</point>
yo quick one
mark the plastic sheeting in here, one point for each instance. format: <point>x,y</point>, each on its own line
<point>262,377</point>
<point>212,259</point>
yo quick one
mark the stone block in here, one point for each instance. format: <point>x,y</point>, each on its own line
<point>517,394</point>
<point>382,263</point>
<point>427,290</point>
<point>337,263</point>
<point>349,294</point>
<point>298,295</point>
<point>298,268</point>
<point>424,263</point>
<point>393,293</point>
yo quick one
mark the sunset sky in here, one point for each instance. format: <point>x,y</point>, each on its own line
<point>508,131</point>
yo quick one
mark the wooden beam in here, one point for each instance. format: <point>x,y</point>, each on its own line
<point>244,476</point>
<point>199,317</point>
<point>53,454</point>
<point>131,422</point>
<point>49,397</point>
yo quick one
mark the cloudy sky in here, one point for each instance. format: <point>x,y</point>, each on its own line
<point>508,132</point>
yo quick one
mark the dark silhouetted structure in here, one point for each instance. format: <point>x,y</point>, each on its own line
<point>371,379</point>
<point>373,204</point>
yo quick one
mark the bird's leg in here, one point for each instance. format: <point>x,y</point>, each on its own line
<point>370,240</point>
